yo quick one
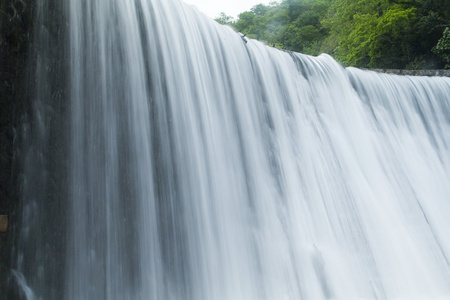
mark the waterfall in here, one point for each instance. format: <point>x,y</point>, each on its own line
<point>167,159</point>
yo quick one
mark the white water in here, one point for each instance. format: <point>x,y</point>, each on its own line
<point>201,167</point>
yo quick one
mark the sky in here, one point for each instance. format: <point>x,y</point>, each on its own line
<point>212,8</point>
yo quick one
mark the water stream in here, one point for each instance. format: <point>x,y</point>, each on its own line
<point>168,159</point>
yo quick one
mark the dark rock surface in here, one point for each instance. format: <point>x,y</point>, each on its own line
<point>15,33</point>
<point>33,85</point>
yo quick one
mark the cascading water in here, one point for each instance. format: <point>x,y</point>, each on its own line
<point>168,159</point>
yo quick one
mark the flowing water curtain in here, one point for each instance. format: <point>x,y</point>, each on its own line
<point>191,165</point>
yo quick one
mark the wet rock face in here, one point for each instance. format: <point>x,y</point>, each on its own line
<point>24,77</point>
<point>15,29</point>
<point>15,33</point>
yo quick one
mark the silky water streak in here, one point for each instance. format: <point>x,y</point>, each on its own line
<point>168,159</point>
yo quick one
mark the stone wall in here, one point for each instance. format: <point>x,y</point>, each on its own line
<point>441,73</point>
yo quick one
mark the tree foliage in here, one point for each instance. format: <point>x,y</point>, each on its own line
<point>362,33</point>
<point>442,49</point>
<point>372,33</point>
<point>224,19</point>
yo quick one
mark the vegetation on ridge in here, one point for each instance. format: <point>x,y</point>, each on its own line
<point>413,34</point>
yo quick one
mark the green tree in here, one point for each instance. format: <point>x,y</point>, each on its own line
<point>374,33</point>
<point>224,19</point>
<point>442,49</point>
<point>245,20</point>
<point>390,46</point>
<point>361,33</point>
